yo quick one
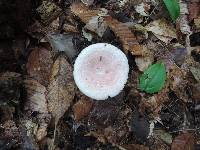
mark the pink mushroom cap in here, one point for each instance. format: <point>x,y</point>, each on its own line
<point>101,71</point>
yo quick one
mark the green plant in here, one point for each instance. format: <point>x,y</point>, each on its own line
<point>153,79</point>
<point>173,8</point>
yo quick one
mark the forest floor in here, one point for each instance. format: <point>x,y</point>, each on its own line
<point>42,108</point>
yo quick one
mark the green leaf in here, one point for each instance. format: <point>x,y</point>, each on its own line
<point>173,8</point>
<point>153,79</point>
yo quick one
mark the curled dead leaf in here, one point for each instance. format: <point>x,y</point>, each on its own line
<point>39,65</point>
<point>162,30</point>
<point>185,141</point>
<point>37,103</point>
<point>82,108</point>
<point>61,89</point>
<point>124,34</point>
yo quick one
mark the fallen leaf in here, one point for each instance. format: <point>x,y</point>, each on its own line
<point>184,141</point>
<point>48,12</point>
<point>83,12</point>
<point>87,2</point>
<point>82,108</point>
<point>124,34</point>
<point>165,136</point>
<point>39,65</point>
<point>183,22</point>
<point>143,9</point>
<point>97,25</point>
<point>37,103</point>
<point>194,10</point>
<point>162,30</point>
<point>70,28</point>
<point>59,41</point>
<point>61,89</point>
<point>178,82</point>
<point>28,141</point>
<point>87,35</point>
<point>144,62</point>
<point>196,72</point>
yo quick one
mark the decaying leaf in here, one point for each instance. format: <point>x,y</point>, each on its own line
<point>59,41</point>
<point>82,108</point>
<point>183,22</point>
<point>39,65</point>
<point>162,30</point>
<point>124,34</point>
<point>165,136</point>
<point>196,72</point>
<point>61,89</point>
<point>28,141</point>
<point>37,103</point>
<point>178,82</point>
<point>144,62</point>
<point>143,9</point>
<point>88,2</point>
<point>84,12</point>
<point>48,11</point>
<point>36,97</point>
<point>185,141</point>
<point>194,10</point>
<point>97,25</point>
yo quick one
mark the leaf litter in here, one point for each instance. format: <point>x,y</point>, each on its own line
<point>41,107</point>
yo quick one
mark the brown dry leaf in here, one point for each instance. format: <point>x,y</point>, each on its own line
<point>39,65</point>
<point>124,34</point>
<point>185,141</point>
<point>144,62</point>
<point>36,97</point>
<point>162,30</point>
<point>61,89</point>
<point>194,10</point>
<point>82,108</point>
<point>83,12</point>
<point>37,103</point>
<point>178,83</point>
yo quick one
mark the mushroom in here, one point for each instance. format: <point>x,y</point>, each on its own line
<point>101,71</point>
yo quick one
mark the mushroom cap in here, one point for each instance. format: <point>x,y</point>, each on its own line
<point>101,71</point>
